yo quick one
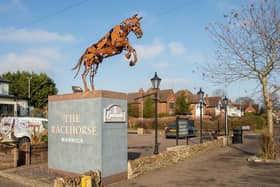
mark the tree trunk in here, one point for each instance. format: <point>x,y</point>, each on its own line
<point>268,105</point>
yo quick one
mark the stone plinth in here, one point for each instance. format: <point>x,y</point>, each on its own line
<point>88,131</point>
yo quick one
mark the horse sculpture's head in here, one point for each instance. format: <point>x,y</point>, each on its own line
<point>133,25</point>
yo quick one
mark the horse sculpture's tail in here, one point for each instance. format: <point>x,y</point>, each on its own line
<point>78,66</point>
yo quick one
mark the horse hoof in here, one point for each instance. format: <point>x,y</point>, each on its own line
<point>131,63</point>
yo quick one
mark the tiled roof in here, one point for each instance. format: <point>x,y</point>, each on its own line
<point>132,96</point>
<point>164,94</point>
<point>194,99</point>
<point>4,80</point>
<point>250,108</point>
<point>185,92</point>
<point>213,101</point>
<point>190,97</point>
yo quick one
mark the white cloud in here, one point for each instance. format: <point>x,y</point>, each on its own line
<point>176,48</point>
<point>37,60</point>
<point>27,35</point>
<point>12,5</point>
<point>157,48</point>
<point>150,51</point>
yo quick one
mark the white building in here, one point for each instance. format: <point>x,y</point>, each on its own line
<point>197,110</point>
<point>11,105</point>
<point>234,111</point>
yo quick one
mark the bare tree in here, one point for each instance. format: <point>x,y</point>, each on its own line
<point>245,100</point>
<point>219,92</point>
<point>248,48</point>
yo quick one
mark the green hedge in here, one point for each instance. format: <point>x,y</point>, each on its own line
<point>253,120</point>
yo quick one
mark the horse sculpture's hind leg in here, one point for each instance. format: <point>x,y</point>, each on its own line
<point>91,79</point>
<point>92,74</point>
<point>84,75</point>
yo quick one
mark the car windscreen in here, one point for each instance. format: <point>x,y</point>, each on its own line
<point>45,124</point>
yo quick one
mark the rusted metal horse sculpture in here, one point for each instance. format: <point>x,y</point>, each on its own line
<point>113,43</point>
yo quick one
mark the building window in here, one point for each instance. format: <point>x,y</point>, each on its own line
<point>6,110</point>
<point>171,105</point>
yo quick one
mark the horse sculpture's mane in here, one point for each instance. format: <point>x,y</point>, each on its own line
<point>113,43</point>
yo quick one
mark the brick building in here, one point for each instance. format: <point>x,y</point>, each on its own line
<point>166,100</point>
<point>213,105</point>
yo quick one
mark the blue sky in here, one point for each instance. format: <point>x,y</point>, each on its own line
<point>50,36</point>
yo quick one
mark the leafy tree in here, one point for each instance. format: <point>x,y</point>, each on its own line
<point>182,107</point>
<point>149,108</point>
<point>248,48</point>
<point>41,86</point>
<point>133,110</point>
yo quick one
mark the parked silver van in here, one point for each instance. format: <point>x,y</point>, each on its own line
<point>20,129</point>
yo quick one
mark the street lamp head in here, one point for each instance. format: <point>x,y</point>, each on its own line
<point>225,100</point>
<point>156,81</point>
<point>201,94</point>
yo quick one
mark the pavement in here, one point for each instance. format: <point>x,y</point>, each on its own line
<point>143,145</point>
<point>220,167</point>
<point>226,166</point>
<point>34,175</point>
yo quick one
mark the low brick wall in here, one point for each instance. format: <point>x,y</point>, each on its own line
<point>33,154</point>
<point>39,153</point>
<point>8,156</point>
<point>12,155</point>
<point>170,156</point>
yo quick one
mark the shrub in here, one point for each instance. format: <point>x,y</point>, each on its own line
<point>37,112</point>
<point>161,115</point>
<point>149,123</point>
<point>44,138</point>
<point>36,137</point>
<point>253,120</point>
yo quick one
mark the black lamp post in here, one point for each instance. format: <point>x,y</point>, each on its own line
<point>156,82</point>
<point>225,103</point>
<point>201,102</point>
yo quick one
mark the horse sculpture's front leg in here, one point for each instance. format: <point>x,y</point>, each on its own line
<point>128,54</point>
<point>133,62</point>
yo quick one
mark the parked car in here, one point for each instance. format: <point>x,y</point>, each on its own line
<point>184,131</point>
<point>20,129</point>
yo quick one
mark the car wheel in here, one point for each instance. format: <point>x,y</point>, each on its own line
<point>24,140</point>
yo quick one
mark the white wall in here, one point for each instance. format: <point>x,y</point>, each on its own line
<point>4,89</point>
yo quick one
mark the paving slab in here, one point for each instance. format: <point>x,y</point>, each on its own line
<point>34,175</point>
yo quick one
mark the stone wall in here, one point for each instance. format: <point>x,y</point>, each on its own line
<point>170,156</point>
